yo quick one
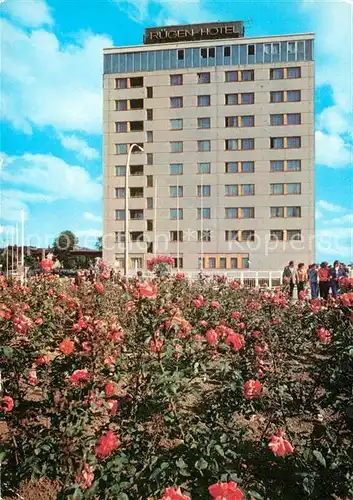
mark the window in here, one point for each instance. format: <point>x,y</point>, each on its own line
<point>231,144</point>
<point>251,50</point>
<point>178,263</point>
<point>204,77</point>
<point>119,214</point>
<point>248,236</point>
<point>277,74</point>
<point>204,168</point>
<point>277,119</point>
<point>245,262</point>
<point>277,188</point>
<point>293,119</point>
<point>136,103</point>
<point>277,212</point>
<point>176,79</point>
<point>180,55</point>
<point>204,145</point>
<point>246,144</point>
<point>176,191</point>
<point>293,95</point>
<point>293,142</point>
<point>204,235</point>
<point>136,169</point>
<point>294,165</point>
<point>277,96</point>
<point>176,168</point>
<point>136,262</point>
<point>121,105</point>
<point>136,126</point>
<point>247,121</point>
<point>203,213</point>
<point>247,213</point>
<point>231,167</point>
<point>231,121</point>
<point>294,188</point>
<point>212,52</point>
<point>120,171</point>
<point>231,99</point>
<point>149,158</point>
<point>120,127</point>
<point>277,142</point>
<point>121,83</point>
<point>136,214</point>
<point>149,136</point>
<point>149,180</point>
<point>150,247</point>
<point>176,124</point>
<point>293,72</point>
<point>231,213</point>
<point>176,213</point>
<point>204,122</point>
<point>176,236</point>
<point>119,237</point>
<point>119,192</point>
<point>149,114</point>
<point>277,166</point>
<point>231,235</point>
<point>294,212</point>
<point>247,75</point>
<point>150,225</point>
<point>231,76</point>
<point>204,190</point>
<point>176,102</point>
<point>176,147</point>
<point>247,189</point>
<point>136,236</point>
<point>149,203</point>
<point>203,53</point>
<point>294,234</point>
<point>149,92</point>
<point>121,149</point>
<point>247,167</point>
<point>247,98</point>
<point>226,52</point>
<point>136,81</point>
<point>203,100</point>
<point>222,263</point>
<point>277,235</point>
<point>231,190</point>
<point>212,263</point>
<point>233,263</point>
<point>138,150</point>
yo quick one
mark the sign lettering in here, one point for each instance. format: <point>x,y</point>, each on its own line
<point>194,32</point>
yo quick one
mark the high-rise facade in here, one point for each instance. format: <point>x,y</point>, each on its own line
<point>226,123</point>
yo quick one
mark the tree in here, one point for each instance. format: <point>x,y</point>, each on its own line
<point>63,245</point>
<point>99,243</point>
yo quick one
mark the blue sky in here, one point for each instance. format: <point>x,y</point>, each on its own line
<point>51,54</point>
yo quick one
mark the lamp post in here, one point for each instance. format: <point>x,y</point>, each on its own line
<point>126,260</point>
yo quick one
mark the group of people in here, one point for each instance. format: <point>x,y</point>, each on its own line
<point>321,278</point>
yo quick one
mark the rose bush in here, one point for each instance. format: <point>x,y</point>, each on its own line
<point>175,389</point>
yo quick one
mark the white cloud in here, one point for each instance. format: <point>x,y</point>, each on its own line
<point>318,214</point>
<point>332,150</point>
<point>52,176</point>
<point>31,13</point>
<point>169,12</point>
<point>46,82</point>
<point>329,207</point>
<point>91,217</point>
<point>342,221</point>
<point>334,120</point>
<point>79,146</point>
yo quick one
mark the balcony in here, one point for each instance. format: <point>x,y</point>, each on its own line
<point>136,192</point>
<point>136,214</point>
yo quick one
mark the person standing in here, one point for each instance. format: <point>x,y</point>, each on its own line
<point>324,280</point>
<point>312,276</point>
<point>290,276</point>
<point>302,277</point>
<point>334,277</point>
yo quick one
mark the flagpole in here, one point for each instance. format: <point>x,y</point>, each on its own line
<point>17,242</point>
<point>12,248</point>
<point>178,224</point>
<point>155,217</point>
<point>23,243</point>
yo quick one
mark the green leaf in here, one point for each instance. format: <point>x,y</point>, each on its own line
<point>7,351</point>
<point>309,484</point>
<point>255,494</point>
<point>201,464</point>
<point>319,457</point>
<point>219,450</point>
<point>123,496</point>
<point>181,464</point>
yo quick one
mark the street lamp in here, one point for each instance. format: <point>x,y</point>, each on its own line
<point>132,146</point>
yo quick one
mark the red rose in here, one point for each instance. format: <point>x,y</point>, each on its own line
<point>252,389</point>
<point>279,445</point>
<point>67,346</point>
<point>174,494</point>
<point>106,444</point>
<point>6,404</point>
<point>99,287</point>
<point>226,491</point>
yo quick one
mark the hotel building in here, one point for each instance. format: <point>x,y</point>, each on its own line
<point>226,123</point>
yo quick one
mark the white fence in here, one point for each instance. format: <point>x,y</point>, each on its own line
<point>252,279</point>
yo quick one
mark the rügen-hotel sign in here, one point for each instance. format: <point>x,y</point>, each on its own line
<point>192,32</point>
